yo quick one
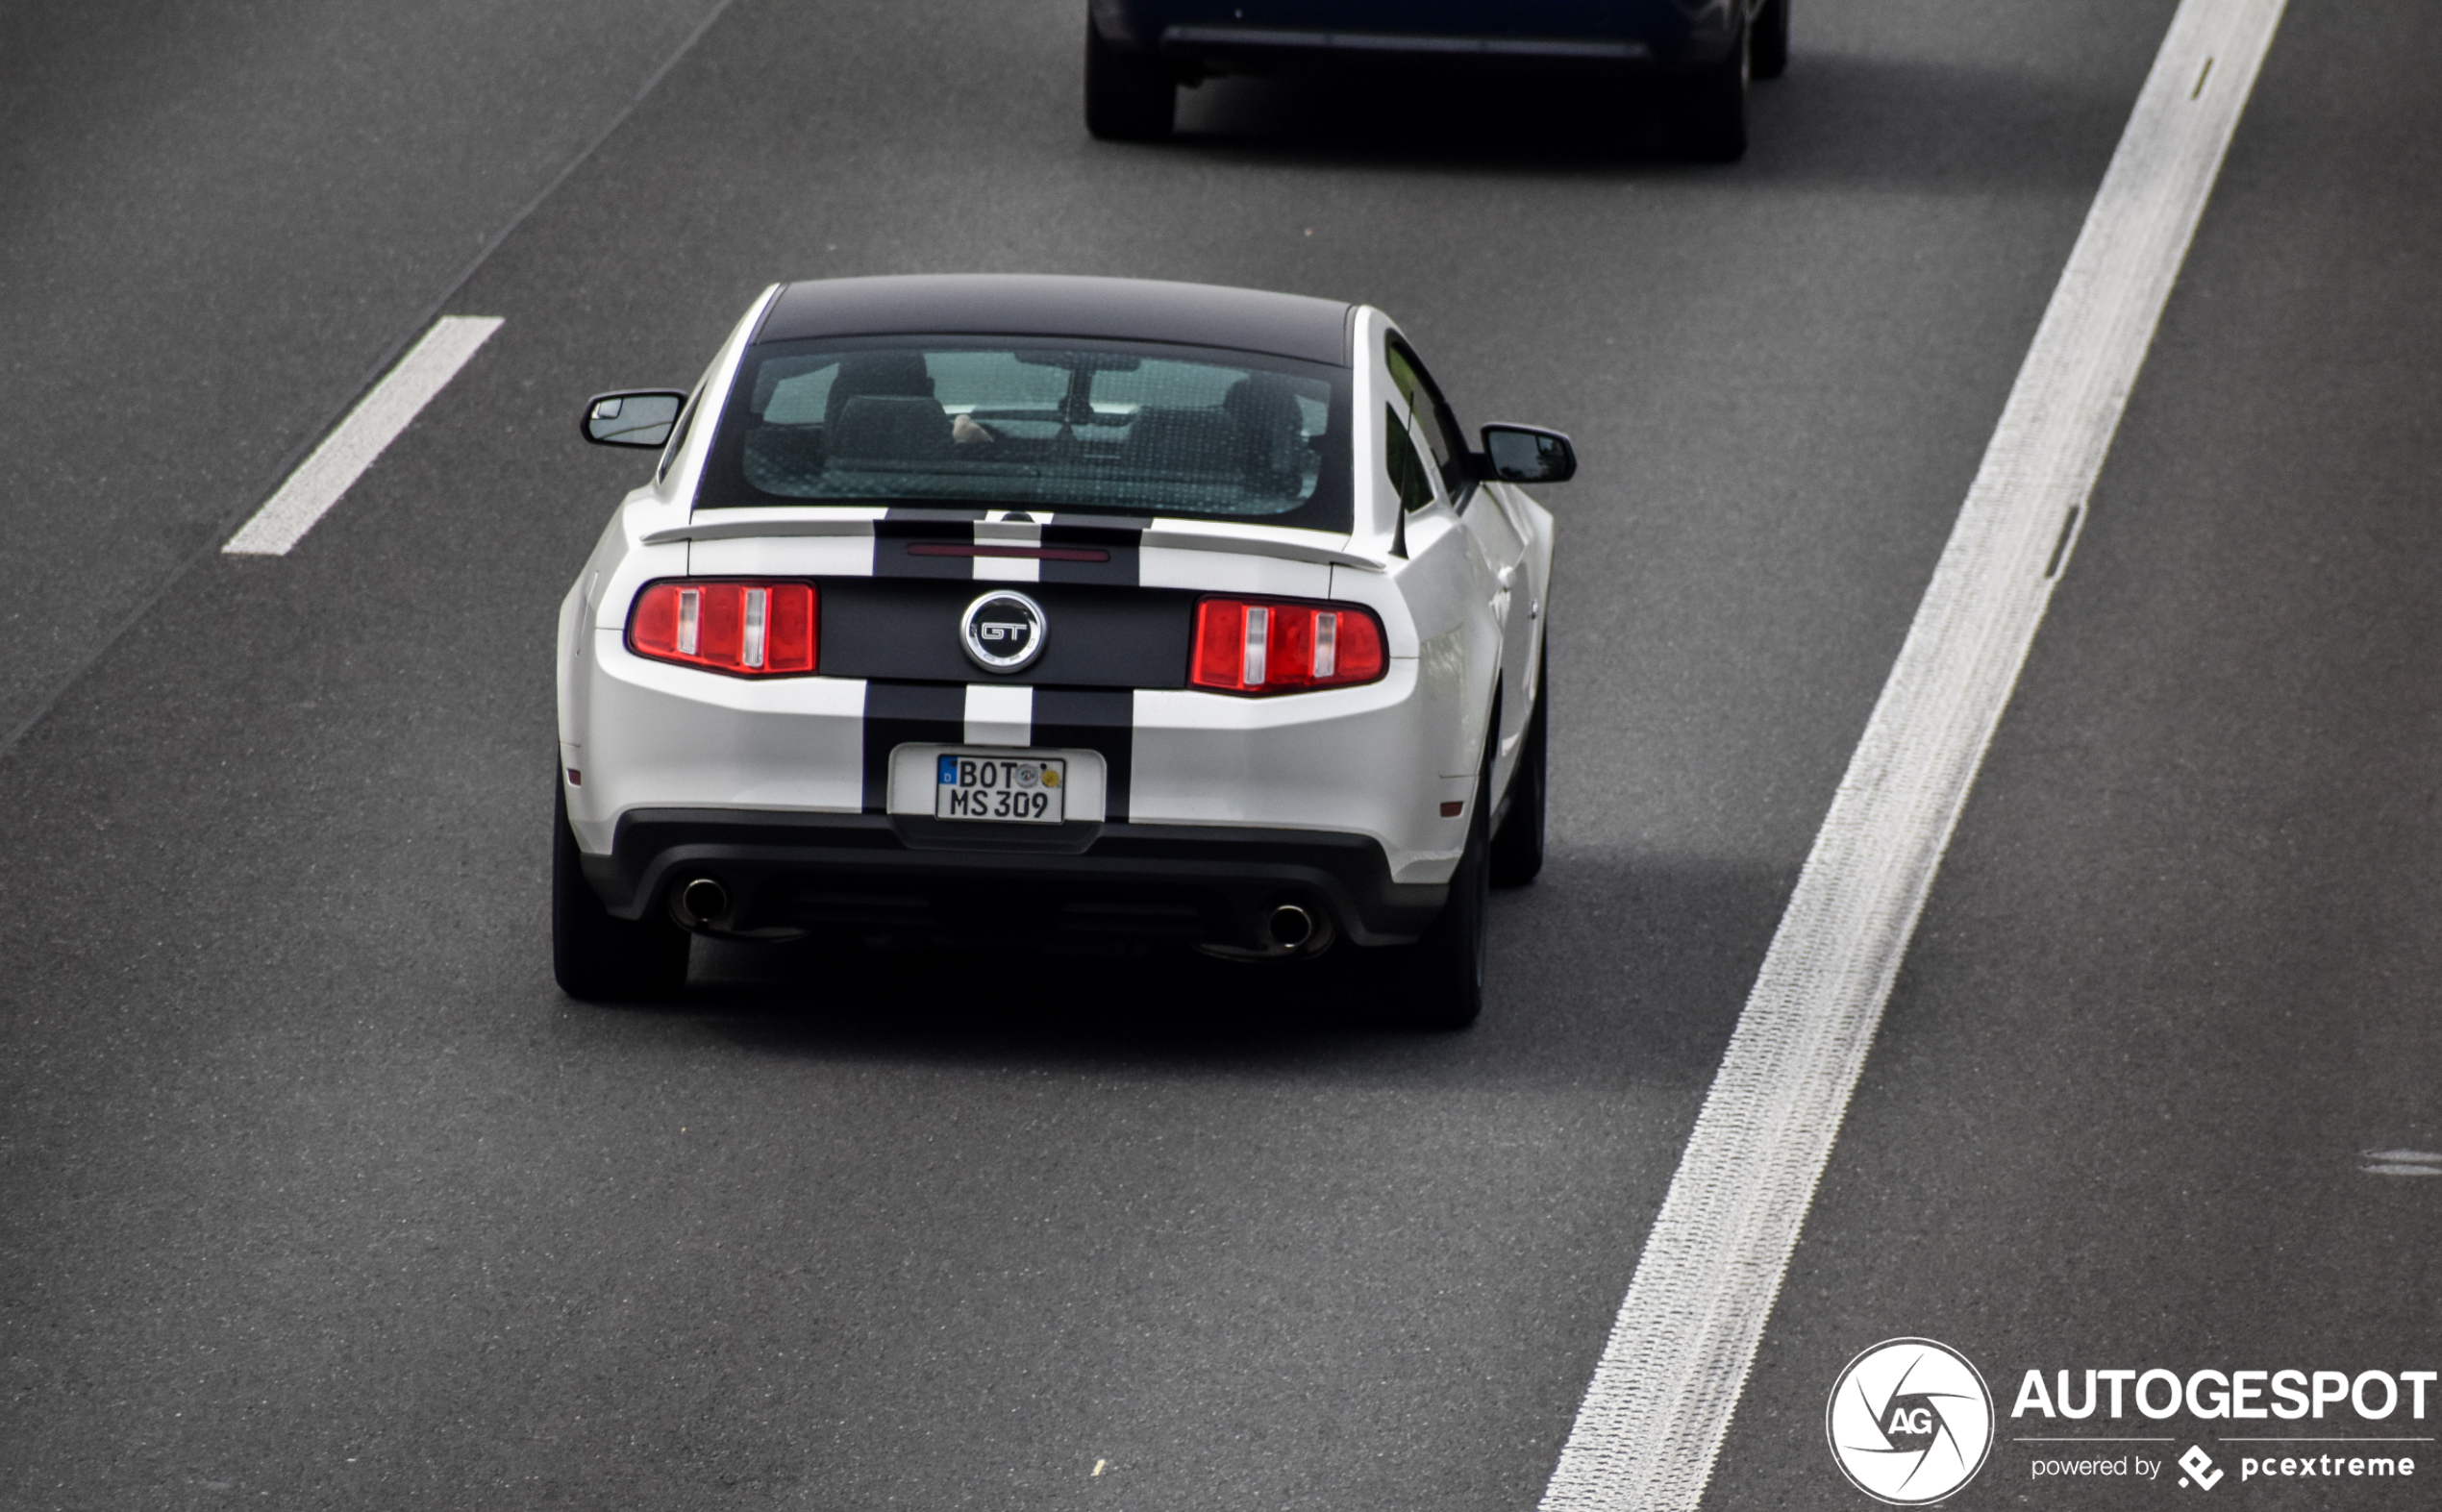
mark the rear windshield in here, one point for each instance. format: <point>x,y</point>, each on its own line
<point>1003,424</point>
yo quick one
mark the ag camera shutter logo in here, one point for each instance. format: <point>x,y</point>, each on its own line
<point>1909,1421</point>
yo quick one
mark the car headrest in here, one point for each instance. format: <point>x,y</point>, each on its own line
<point>1182,440</point>
<point>1272,448</point>
<point>881,373</point>
<point>888,428</point>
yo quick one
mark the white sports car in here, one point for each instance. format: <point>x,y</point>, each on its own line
<point>1041,612</point>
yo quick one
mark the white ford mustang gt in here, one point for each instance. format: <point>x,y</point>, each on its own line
<point>1024,610</point>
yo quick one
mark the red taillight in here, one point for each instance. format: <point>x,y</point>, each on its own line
<point>1282,646</point>
<point>755,630</point>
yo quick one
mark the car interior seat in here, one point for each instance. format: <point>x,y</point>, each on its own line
<point>1272,452</point>
<point>897,374</point>
<point>886,429</point>
<point>1178,439</point>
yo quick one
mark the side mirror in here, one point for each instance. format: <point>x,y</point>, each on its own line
<point>643,418</point>
<point>1524,454</point>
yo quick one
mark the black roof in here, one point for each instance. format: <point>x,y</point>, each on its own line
<point>1044,304</point>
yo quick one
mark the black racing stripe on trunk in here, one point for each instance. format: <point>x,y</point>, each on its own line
<point>897,713</point>
<point>901,529</point>
<point>904,630</point>
<point>1093,719</point>
<point>894,533</point>
<point>1120,542</point>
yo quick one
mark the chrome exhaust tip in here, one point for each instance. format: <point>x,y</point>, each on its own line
<point>701,902</point>
<point>1288,931</point>
<point>1289,927</point>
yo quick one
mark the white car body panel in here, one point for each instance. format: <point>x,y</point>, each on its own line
<point>663,740</point>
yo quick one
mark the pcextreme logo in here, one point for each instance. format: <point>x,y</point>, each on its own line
<point>1910,1420</point>
<point>2199,1466</point>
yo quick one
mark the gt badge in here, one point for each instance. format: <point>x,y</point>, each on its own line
<point>1004,631</point>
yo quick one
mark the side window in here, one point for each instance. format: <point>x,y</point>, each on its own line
<point>1432,414</point>
<point>1407,472</point>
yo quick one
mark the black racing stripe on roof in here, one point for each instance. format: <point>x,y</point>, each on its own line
<point>1044,304</point>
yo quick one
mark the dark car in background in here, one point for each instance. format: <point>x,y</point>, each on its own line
<point>1701,53</point>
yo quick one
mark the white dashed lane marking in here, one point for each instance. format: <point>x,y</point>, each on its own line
<point>2402,1162</point>
<point>1670,1377</point>
<point>378,419</point>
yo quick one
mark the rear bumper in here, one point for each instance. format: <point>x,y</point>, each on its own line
<point>911,877</point>
<point>1207,37</point>
<point>1271,50</point>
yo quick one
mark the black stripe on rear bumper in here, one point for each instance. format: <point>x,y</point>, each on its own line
<point>897,713</point>
<point>1093,719</point>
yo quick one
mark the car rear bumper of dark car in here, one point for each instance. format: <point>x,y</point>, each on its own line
<point>1235,49</point>
<point>913,877</point>
<point>1199,39</point>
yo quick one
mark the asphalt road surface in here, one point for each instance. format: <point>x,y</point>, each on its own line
<point>315,1193</point>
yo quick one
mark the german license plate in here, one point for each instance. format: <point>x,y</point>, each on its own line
<point>1000,789</point>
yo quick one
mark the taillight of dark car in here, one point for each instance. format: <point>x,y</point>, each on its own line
<point>743,627</point>
<point>1282,646</point>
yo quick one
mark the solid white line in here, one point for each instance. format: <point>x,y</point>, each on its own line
<point>363,436</point>
<point>1662,1397</point>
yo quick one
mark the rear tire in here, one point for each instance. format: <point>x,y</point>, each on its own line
<point>597,956</point>
<point>1127,97</point>
<point>1442,985</point>
<point>1517,846</point>
<point>1768,52</point>
<point>1713,106</point>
